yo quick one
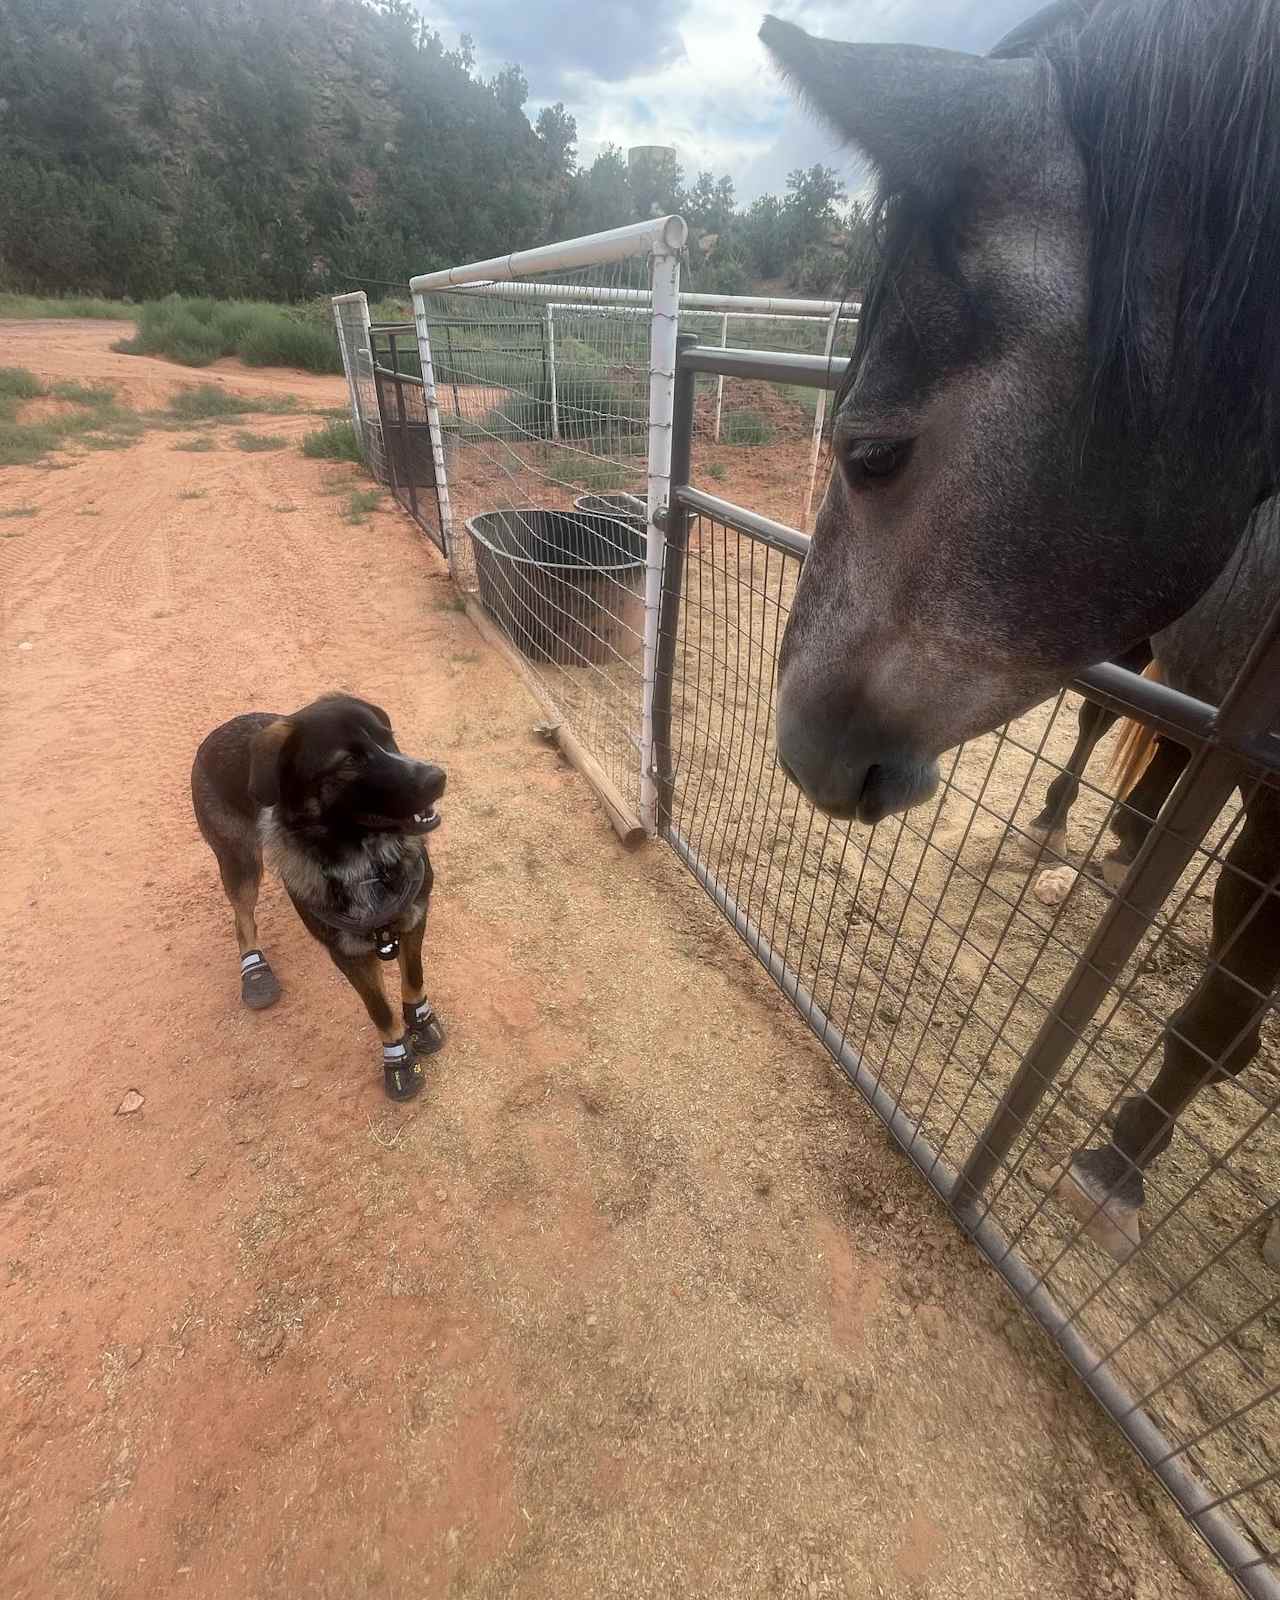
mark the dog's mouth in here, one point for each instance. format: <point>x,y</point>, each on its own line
<point>423,821</point>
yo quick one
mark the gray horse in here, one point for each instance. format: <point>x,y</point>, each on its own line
<point>1057,427</point>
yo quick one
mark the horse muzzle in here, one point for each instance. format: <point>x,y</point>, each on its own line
<point>848,765</point>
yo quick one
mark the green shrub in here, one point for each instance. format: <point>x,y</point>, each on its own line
<point>201,443</point>
<point>196,332</point>
<point>207,400</point>
<point>259,441</point>
<point>16,384</point>
<point>84,394</point>
<point>717,471</point>
<point>286,343</point>
<point>588,414</point>
<point>360,503</point>
<point>336,441</point>
<point>746,428</point>
<point>21,444</point>
<point>21,306</point>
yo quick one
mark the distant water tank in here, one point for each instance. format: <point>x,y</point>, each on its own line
<point>650,168</point>
<point>650,155</point>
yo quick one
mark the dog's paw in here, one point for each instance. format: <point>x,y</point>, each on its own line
<point>423,1026</point>
<point>402,1075</point>
<point>259,986</point>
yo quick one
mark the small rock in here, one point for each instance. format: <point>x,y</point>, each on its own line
<point>1053,885</point>
<point>844,1404</point>
<point>592,1320</point>
<point>300,1082</point>
<point>132,1102</point>
<point>442,1195</point>
<point>132,1357</point>
<point>248,1132</point>
<point>26,645</point>
<point>270,1344</point>
<point>760,1147</point>
<point>888,1013</point>
<point>451,1540</point>
<point>196,1167</point>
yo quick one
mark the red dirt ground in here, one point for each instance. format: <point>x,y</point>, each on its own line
<point>635,1301</point>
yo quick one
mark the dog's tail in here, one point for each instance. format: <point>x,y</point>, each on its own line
<point>1134,748</point>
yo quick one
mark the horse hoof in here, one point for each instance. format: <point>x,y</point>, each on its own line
<point>1038,838</point>
<point>1114,870</point>
<point>1104,1193</point>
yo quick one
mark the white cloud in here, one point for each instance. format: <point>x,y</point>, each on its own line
<point>716,99</point>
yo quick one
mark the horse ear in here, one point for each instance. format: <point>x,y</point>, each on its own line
<point>923,117</point>
<point>264,762</point>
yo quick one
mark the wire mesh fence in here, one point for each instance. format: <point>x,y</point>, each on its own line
<point>758,441</point>
<point>351,318</point>
<point>550,443</point>
<point>929,952</point>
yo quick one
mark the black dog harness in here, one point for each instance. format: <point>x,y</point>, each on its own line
<point>386,940</point>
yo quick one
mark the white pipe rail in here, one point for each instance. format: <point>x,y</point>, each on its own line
<point>724,345</point>
<point>583,293</point>
<point>665,235</point>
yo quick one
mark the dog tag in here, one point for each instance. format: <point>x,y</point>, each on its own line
<point>388,945</point>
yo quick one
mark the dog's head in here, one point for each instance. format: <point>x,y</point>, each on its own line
<point>335,765</point>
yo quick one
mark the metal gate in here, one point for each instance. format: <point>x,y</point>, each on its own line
<point>407,445</point>
<point>993,1026</point>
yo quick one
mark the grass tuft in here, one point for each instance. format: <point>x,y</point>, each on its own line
<point>259,441</point>
<point>337,441</point>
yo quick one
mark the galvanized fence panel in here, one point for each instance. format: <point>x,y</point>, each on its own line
<point>351,319</point>
<point>555,436</point>
<point>997,1002</point>
<point>408,444</point>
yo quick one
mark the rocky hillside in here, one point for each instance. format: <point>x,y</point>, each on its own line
<point>256,148</point>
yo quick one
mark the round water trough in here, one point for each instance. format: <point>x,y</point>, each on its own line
<point>565,586</point>
<point>630,507</point>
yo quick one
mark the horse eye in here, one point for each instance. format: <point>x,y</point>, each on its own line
<point>877,460</point>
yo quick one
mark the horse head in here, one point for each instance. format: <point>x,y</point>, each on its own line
<point>1043,451</point>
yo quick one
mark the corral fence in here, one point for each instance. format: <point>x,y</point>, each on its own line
<point>988,994</point>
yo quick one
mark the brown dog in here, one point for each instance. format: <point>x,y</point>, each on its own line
<point>341,816</point>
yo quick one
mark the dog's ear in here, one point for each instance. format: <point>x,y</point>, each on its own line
<point>264,762</point>
<point>381,715</point>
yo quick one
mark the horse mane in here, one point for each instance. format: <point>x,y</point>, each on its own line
<point>1175,108</point>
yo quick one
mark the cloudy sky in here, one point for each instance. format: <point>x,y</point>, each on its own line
<point>691,73</point>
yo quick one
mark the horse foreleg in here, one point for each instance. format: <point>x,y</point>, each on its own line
<point>1138,811</point>
<point>1213,1037</point>
<point>1049,830</point>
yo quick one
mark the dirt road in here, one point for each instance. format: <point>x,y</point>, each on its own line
<point>635,1301</point>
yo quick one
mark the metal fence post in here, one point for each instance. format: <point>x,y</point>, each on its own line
<point>549,369</point>
<point>433,422</point>
<point>819,417</point>
<point>677,540</point>
<point>1251,707</point>
<point>724,345</point>
<point>664,327</point>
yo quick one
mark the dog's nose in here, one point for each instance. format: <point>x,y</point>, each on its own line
<point>432,778</point>
<point>848,765</point>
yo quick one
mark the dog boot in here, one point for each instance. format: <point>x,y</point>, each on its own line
<point>423,1025</point>
<point>401,1074</point>
<point>259,986</point>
